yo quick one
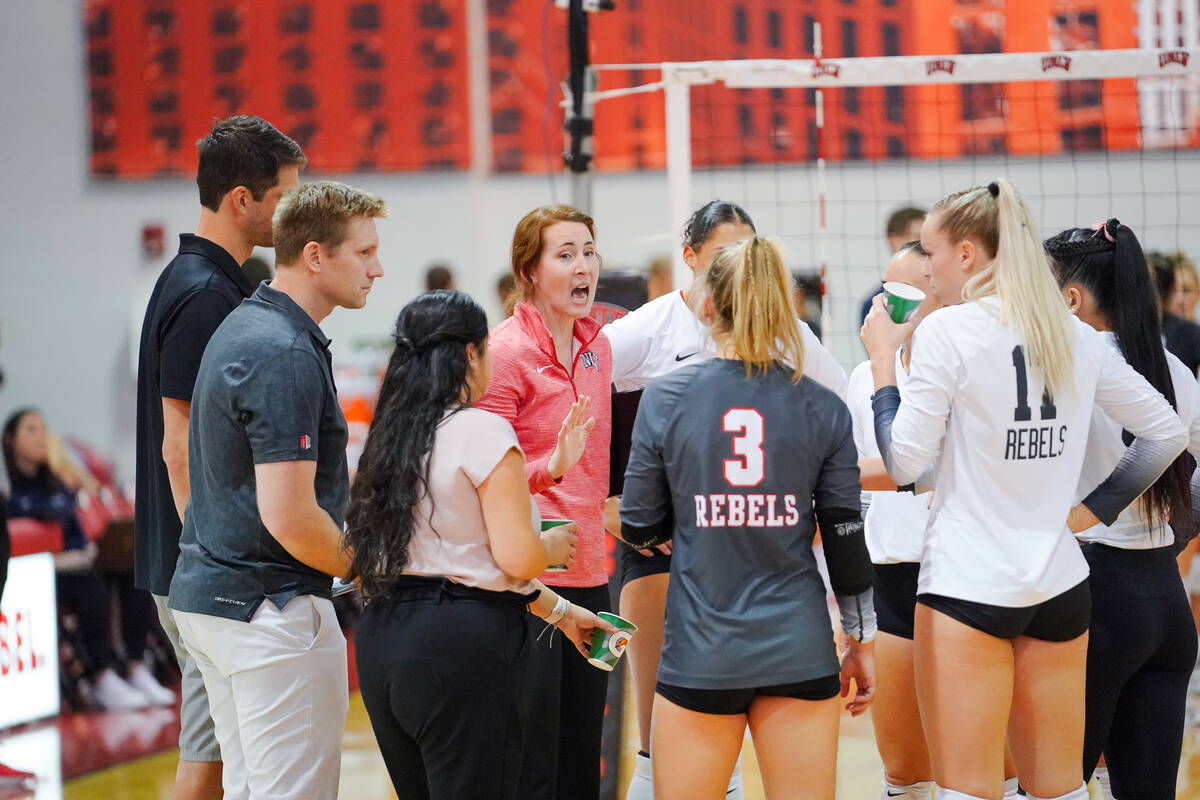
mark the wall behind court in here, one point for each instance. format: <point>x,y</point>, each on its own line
<point>73,282</point>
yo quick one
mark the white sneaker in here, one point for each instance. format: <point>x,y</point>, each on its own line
<point>1103,787</point>
<point>735,791</point>
<point>641,787</point>
<point>115,694</point>
<point>142,679</point>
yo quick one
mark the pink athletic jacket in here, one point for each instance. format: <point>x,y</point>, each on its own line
<point>534,392</point>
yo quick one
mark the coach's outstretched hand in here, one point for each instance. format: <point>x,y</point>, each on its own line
<point>572,438</point>
<point>858,664</point>
<point>579,625</point>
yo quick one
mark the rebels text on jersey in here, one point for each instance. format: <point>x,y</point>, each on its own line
<point>1008,470</point>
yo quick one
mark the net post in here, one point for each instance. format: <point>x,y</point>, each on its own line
<point>822,225</point>
<point>677,99</point>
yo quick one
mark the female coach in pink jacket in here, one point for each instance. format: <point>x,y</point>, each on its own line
<point>549,360</point>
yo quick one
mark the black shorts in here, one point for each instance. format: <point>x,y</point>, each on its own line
<point>634,565</point>
<point>737,701</point>
<point>895,588</point>
<point>1060,619</point>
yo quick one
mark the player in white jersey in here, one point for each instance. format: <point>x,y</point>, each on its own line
<point>1142,645</point>
<point>1000,394</point>
<point>895,523</point>
<point>654,340</point>
<point>737,458</point>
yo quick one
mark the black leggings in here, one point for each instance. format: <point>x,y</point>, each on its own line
<point>444,674</point>
<point>85,593</point>
<point>1140,656</point>
<point>567,719</point>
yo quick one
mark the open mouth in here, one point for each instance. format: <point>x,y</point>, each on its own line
<point>581,293</point>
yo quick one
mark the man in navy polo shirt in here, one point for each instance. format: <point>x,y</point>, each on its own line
<point>246,164</point>
<point>263,532</point>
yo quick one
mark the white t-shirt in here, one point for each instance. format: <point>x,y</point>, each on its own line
<point>664,335</point>
<point>895,521</point>
<point>1010,464</point>
<point>1105,447</point>
<point>454,543</point>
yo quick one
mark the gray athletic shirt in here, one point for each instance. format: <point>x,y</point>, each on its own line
<point>741,464</point>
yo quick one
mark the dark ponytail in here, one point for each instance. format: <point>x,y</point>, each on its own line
<point>425,378</point>
<point>706,219</point>
<point>1108,262</point>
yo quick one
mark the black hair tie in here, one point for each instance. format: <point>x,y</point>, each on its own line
<point>993,189</point>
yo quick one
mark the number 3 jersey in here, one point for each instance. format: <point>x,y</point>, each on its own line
<point>1010,455</point>
<point>740,465</point>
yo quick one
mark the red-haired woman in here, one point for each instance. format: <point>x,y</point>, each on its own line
<point>549,360</point>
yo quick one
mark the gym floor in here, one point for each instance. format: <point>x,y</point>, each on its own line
<point>139,746</point>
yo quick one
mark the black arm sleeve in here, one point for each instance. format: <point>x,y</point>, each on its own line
<point>836,499</point>
<point>845,543</point>
<point>656,533</point>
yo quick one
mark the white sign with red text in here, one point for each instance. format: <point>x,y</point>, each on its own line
<point>28,641</point>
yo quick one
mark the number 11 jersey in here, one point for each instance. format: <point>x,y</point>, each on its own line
<point>1011,455</point>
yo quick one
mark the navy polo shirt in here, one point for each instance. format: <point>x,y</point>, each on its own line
<point>264,393</point>
<point>194,294</point>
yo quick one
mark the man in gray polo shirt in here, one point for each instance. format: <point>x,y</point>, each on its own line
<point>263,530</point>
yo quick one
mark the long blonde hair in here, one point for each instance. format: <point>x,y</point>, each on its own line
<point>1018,274</point>
<point>751,294</point>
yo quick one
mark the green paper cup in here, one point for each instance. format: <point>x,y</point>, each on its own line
<point>608,648</point>
<point>901,300</point>
<point>547,524</point>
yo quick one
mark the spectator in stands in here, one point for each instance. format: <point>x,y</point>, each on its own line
<point>39,493</point>
<point>506,293</point>
<point>1185,292</point>
<point>1182,336</point>
<point>438,276</point>
<point>904,225</point>
<point>658,278</point>
<point>257,270</point>
<point>806,299</point>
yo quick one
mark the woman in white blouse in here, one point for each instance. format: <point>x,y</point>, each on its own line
<point>444,538</point>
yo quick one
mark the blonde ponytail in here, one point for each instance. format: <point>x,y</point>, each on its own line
<point>751,293</point>
<point>1018,275</point>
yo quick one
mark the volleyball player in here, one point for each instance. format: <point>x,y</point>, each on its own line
<point>1000,393</point>
<point>730,458</point>
<point>895,528</point>
<point>1142,644</point>
<point>653,340</point>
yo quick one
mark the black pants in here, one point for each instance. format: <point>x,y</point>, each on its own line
<point>562,758</point>
<point>85,594</point>
<point>1140,656</point>
<point>137,614</point>
<point>445,677</point>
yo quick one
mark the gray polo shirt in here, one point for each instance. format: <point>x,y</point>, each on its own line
<point>744,467</point>
<point>264,393</point>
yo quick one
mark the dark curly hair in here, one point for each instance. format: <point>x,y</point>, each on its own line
<point>706,219</point>
<point>1108,262</point>
<point>426,377</point>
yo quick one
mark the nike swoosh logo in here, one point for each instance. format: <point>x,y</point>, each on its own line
<point>540,370</point>
<point>890,793</point>
<point>684,357</point>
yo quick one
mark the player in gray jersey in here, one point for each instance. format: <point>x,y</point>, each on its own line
<point>1143,642</point>
<point>736,460</point>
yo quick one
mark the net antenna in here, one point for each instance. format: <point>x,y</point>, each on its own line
<point>1145,162</point>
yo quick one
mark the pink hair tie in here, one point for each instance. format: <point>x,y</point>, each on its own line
<point>1103,226</point>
